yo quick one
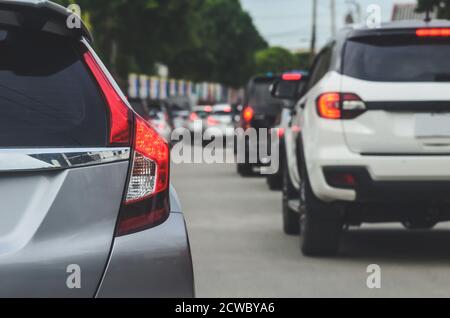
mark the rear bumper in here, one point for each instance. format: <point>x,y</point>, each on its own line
<point>369,190</point>
<point>384,178</point>
<point>155,263</point>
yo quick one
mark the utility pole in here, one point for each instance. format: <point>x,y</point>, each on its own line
<point>333,17</point>
<point>314,32</point>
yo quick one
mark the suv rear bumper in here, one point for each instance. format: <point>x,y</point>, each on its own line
<point>381,178</point>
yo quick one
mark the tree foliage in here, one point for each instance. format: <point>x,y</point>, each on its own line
<point>443,7</point>
<point>200,40</point>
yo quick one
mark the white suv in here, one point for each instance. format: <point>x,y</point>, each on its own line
<point>369,141</point>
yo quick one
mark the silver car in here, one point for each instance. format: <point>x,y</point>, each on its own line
<point>87,207</point>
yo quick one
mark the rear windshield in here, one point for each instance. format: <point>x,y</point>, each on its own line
<point>259,95</point>
<point>398,59</point>
<point>47,96</point>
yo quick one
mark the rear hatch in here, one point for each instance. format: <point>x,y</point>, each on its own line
<point>267,109</point>
<point>404,81</point>
<point>61,186</point>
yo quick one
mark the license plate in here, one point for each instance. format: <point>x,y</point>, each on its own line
<point>432,126</point>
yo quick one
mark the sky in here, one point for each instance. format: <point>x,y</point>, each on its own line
<point>287,23</point>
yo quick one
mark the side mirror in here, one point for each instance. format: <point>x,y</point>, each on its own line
<point>289,87</point>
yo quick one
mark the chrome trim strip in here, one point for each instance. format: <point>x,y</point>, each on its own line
<point>59,158</point>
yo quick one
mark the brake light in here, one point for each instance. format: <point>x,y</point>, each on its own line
<point>208,109</point>
<point>292,77</point>
<point>340,106</point>
<point>119,113</point>
<point>433,32</point>
<point>146,201</point>
<point>248,114</point>
<point>212,121</point>
<point>227,109</point>
<point>328,105</point>
<point>280,132</point>
<point>193,117</point>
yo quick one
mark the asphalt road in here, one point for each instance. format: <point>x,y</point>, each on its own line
<point>239,249</point>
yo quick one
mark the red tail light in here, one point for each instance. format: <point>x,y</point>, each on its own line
<point>340,106</point>
<point>280,132</point>
<point>193,117</point>
<point>291,77</point>
<point>328,105</point>
<point>248,114</point>
<point>433,32</point>
<point>119,113</point>
<point>146,202</point>
<point>212,121</point>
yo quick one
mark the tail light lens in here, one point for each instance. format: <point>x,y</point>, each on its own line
<point>212,121</point>
<point>340,106</point>
<point>342,180</point>
<point>146,200</point>
<point>248,114</point>
<point>119,114</point>
<point>193,117</point>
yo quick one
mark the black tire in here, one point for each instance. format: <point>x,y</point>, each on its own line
<point>245,170</point>
<point>320,222</point>
<point>415,225</point>
<point>291,218</point>
<point>275,181</point>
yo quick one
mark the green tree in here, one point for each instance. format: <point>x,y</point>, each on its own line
<point>201,40</point>
<point>443,7</point>
<point>275,60</point>
<point>228,43</point>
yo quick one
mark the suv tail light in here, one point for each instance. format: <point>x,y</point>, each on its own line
<point>340,106</point>
<point>146,200</point>
<point>248,114</point>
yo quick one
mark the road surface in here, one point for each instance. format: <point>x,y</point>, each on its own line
<point>239,249</point>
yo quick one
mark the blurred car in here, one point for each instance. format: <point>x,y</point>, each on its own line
<point>370,139</point>
<point>275,180</point>
<point>160,118</point>
<point>197,121</point>
<point>85,186</point>
<point>221,119</point>
<point>261,110</point>
<point>179,118</point>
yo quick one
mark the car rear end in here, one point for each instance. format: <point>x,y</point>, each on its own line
<point>388,135</point>
<point>220,122</point>
<point>261,111</point>
<point>85,180</point>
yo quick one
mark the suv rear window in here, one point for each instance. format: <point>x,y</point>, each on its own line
<point>48,98</point>
<point>398,59</point>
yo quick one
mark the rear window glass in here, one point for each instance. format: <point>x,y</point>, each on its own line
<point>398,59</point>
<point>48,98</point>
<point>259,95</point>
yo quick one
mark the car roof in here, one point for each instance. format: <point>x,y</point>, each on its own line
<point>51,11</point>
<point>404,24</point>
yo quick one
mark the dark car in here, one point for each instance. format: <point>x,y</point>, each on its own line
<point>260,110</point>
